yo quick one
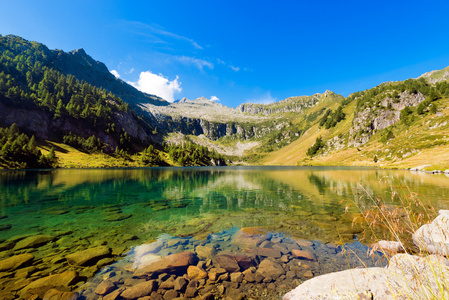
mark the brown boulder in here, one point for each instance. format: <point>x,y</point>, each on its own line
<point>170,264</point>
<point>227,262</point>
<point>302,254</point>
<point>89,256</point>
<point>270,268</point>
<point>140,290</point>
<point>105,287</point>
<point>55,294</point>
<point>194,272</point>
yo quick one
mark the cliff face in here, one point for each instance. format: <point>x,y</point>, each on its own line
<point>370,119</point>
<point>42,124</point>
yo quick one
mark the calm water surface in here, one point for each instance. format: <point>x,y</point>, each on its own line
<point>128,208</point>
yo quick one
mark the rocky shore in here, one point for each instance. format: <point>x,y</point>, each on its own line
<point>406,276</point>
<point>247,263</point>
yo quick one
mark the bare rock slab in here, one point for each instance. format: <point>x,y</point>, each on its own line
<point>406,277</point>
<point>89,256</point>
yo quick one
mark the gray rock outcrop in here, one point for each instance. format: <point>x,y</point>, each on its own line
<point>434,237</point>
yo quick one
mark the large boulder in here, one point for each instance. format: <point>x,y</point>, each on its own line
<point>406,277</point>
<point>434,237</point>
<point>175,263</point>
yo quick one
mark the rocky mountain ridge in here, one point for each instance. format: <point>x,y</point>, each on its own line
<point>293,123</point>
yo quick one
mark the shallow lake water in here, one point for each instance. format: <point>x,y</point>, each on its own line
<point>282,226</point>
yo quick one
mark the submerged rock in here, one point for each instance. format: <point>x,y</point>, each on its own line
<point>33,241</point>
<point>139,290</point>
<point>270,268</point>
<point>88,257</point>
<point>173,263</point>
<point>303,254</point>
<point>194,272</point>
<point>15,262</point>
<point>65,279</point>
<point>4,227</point>
<point>227,262</point>
<point>55,294</point>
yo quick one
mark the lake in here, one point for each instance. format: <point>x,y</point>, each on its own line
<point>253,231</point>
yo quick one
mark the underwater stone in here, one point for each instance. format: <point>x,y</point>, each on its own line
<point>194,272</point>
<point>117,217</point>
<point>303,254</point>
<point>205,252</point>
<point>55,294</point>
<point>105,287</point>
<point>88,256</point>
<point>16,262</point>
<point>170,264</point>
<point>139,290</point>
<point>270,268</point>
<point>4,227</point>
<point>64,279</point>
<point>226,261</point>
<point>33,241</point>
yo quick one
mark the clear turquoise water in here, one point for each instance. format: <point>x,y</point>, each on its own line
<point>130,207</point>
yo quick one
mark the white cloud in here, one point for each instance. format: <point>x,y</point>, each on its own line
<point>115,73</point>
<point>157,33</point>
<point>199,63</point>
<point>263,99</point>
<point>157,85</point>
<point>235,69</point>
<point>214,98</point>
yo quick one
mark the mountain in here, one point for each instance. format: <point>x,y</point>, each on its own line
<point>72,99</point>
<point>50,104</point>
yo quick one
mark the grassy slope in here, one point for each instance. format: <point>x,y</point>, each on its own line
<point>296,151</point>
<point>69,157</point>
<point>423,144</point>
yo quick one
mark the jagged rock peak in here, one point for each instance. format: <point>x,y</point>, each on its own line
<point>79,51</point>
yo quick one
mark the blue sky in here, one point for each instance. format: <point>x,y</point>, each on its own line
<point>244,51</point>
